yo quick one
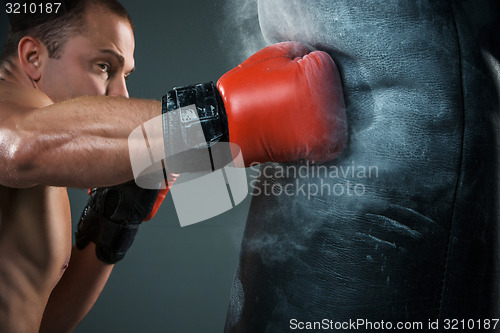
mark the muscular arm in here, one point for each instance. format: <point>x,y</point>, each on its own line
<point>76,292</point>
<point>76,143</point>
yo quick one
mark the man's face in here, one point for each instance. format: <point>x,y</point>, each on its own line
<point>97,62</point>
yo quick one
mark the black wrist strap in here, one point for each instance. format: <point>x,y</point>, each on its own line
<point>184,109</point>
<point>209,107</point>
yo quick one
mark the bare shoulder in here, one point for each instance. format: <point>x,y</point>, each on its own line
<point>18,99</point>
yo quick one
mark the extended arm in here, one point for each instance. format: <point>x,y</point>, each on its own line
<point>60,144</point>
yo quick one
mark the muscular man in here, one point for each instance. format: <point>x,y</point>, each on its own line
<point>49,140</point>
<point>65,118</point>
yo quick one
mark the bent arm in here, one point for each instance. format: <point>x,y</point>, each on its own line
<point>77,143</point>
<point>76,292</point>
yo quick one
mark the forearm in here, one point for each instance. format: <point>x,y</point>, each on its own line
<point>76,292</point>
<point>78,143</point>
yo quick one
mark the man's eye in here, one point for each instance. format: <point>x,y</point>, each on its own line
<point>103,67</point>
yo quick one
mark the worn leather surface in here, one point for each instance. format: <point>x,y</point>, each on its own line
<point>419,239</point>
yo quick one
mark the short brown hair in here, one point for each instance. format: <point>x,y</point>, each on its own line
<point>54,30</point>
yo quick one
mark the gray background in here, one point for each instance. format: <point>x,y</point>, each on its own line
<point>173,279</point>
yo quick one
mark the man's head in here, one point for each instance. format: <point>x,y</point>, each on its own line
<point>86,50</point>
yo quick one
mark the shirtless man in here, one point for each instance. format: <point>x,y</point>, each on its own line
<point>48,140</point>
<point>65,118</point>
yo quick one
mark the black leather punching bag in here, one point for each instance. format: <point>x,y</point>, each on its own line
<point>404,226</point>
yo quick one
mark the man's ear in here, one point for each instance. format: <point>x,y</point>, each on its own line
<point>32,54</point>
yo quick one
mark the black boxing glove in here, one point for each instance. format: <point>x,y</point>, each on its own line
<point>112,217</point>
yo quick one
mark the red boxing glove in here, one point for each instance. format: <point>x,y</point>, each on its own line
<point>285,103</point>
<point>282,104</point>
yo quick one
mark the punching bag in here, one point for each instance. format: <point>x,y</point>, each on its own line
<point>404,225</point>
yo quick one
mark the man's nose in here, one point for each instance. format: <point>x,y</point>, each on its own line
<point>118,88</point>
